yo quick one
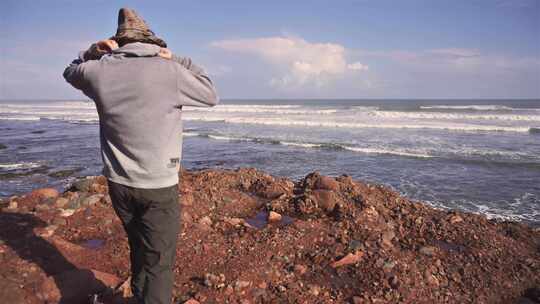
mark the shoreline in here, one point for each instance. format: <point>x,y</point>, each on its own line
<point>249,236</point>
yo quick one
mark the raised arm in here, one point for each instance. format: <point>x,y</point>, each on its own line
<point>195,87</point>
<point>74,73</point>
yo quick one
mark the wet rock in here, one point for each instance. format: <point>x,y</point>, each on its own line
<point>274,217</point>
<point>83,185</point>
<point>351,258</point>
<point>44,193</point>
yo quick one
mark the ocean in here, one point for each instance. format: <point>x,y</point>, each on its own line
<point>480,156</point>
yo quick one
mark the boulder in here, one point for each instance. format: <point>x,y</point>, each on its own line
<point>326,183</point>
<point>83,185</point>
<point>326,199</point>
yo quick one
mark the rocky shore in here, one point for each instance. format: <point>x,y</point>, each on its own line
<point>248,237</point>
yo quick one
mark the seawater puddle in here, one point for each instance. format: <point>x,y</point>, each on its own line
<point>94,244</point>
<point>260,220</point>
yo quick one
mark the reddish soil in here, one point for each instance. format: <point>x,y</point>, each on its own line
<point>330,240</point>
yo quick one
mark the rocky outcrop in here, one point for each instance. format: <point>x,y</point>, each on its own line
<point>249,237</point>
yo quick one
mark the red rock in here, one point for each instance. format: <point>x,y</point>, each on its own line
<point>74,286</point>
<point>326,183</point>
<point>191,301</point>
<point>351,258</point>
<point>44,193</point>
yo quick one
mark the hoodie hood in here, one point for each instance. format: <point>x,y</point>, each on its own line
<point>138,49</point>
<point>132,28</point>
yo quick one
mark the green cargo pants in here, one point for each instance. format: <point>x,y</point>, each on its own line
<point>151,218</point>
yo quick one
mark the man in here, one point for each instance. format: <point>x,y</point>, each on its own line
<point>139,89</point>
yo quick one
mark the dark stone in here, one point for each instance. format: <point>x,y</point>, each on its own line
<point>83,185</point>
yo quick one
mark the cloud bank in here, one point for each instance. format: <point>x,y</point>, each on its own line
<point>299,62</point>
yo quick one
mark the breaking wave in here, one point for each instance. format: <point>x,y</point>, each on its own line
<point>332,124</point>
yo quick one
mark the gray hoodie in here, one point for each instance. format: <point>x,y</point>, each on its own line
<point>139,98</point>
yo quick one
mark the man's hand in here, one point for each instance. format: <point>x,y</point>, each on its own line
<point>100,48</point>
<point>165,53</point>
<point>107,45</point>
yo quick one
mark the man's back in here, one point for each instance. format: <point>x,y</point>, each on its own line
<point>139,97</point>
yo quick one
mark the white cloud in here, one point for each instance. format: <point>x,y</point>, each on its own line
<point>357,66</point>
<point>301,62</point>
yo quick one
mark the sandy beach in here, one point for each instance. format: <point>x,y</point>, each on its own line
<point>249,237</point>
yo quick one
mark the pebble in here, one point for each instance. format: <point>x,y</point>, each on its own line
<point>351,258</point>
<point>67,212</point>
<point>274,216</point>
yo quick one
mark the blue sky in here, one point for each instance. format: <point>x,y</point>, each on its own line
<point>295,49</point>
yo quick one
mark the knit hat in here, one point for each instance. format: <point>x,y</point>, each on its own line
<point>132,28</point>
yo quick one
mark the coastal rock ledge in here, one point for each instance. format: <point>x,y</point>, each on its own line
<point>248,237</point>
